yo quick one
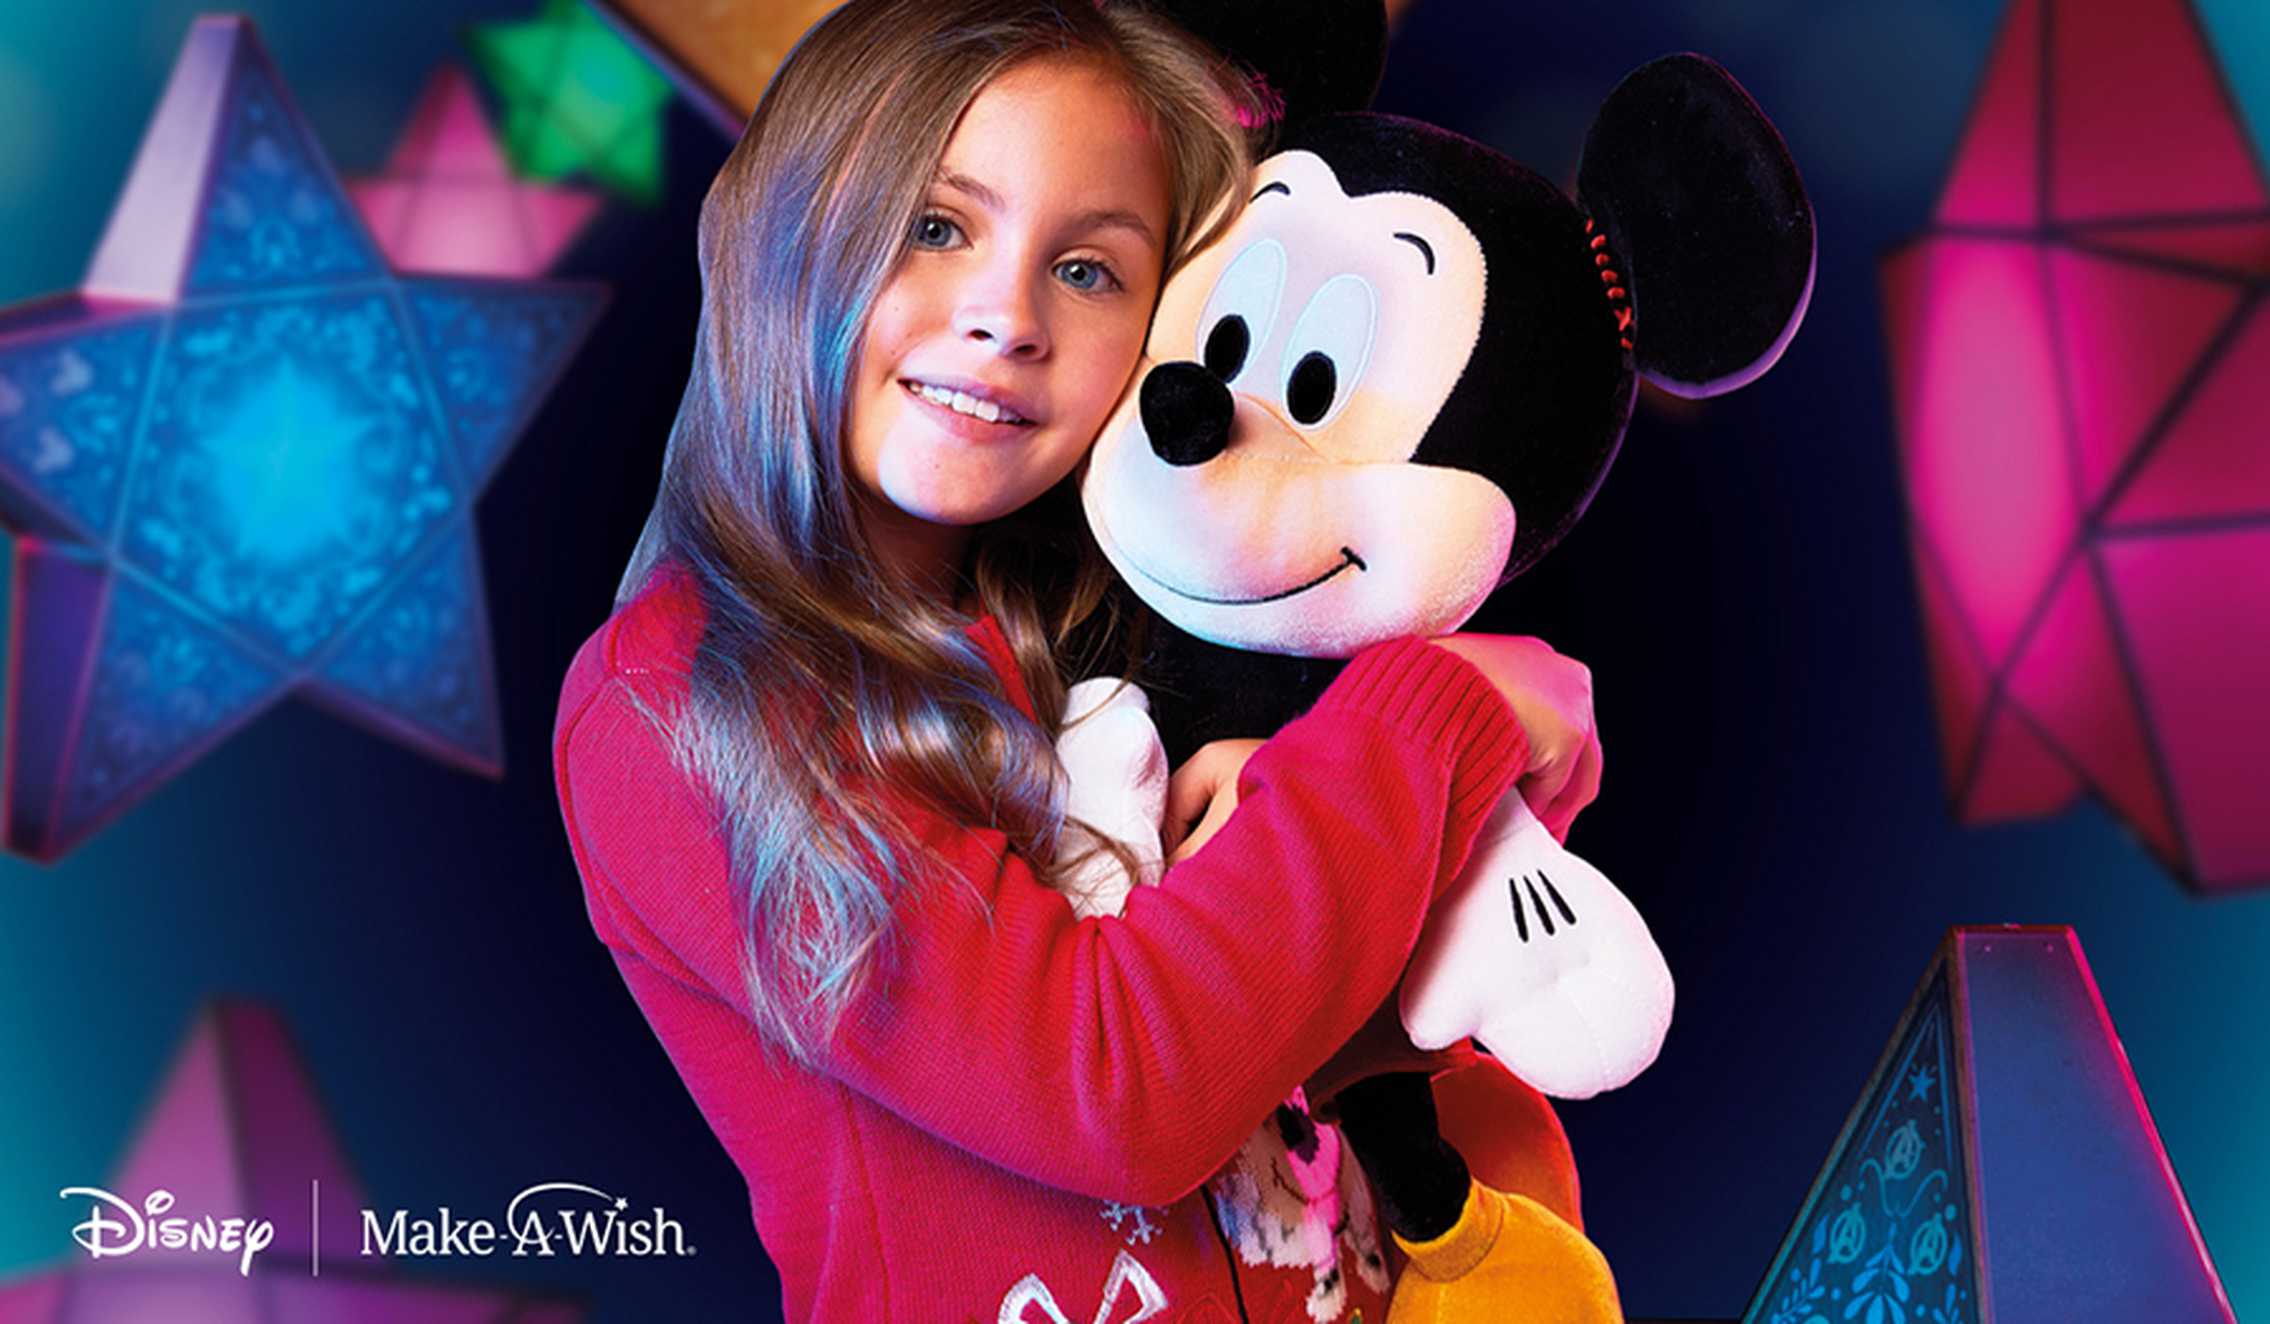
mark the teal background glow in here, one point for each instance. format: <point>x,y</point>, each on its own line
<point>1740,588</point>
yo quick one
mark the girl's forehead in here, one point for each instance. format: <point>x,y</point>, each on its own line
<point>1074,107</point>
<point>1057,133</point>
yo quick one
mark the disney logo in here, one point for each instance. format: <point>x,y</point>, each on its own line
<point>102,1236</point>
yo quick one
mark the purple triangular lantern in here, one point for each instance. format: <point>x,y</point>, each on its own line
<point>237,1131</point>
<point>238,1126</point>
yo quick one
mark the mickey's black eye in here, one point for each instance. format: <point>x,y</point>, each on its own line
<point>1308,393</point>
<point>1226,347</point>
<point>1329,349</point>
<point>1242,308</point>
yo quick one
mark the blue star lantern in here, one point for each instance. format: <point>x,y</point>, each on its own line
<point>241,462</point>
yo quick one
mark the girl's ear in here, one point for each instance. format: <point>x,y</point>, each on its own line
<point>1707,222</point>
<point>1316,56</point>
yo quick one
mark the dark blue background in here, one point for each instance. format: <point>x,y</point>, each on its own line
<point>1740,588</point>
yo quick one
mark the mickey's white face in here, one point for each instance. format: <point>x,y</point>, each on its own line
<point>1340,326</point>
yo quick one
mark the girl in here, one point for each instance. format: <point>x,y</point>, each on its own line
<point>806,766</point>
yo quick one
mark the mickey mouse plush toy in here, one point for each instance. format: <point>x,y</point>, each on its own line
<point>1389,389</point>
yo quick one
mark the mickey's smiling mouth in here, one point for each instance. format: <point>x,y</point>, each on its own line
<point>1348,558</point>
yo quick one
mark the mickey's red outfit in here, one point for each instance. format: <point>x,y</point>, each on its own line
<point>1026,1114</point>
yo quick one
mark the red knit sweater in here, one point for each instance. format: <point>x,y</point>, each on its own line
<point>1027,1113</point>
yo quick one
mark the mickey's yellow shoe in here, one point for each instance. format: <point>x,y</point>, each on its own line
<point>1507,1258</point>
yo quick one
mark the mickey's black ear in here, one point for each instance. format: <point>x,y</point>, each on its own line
<point>1707,220</point>
<point>1318,56</point>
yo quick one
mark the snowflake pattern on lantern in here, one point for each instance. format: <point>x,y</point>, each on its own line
<point>291,464</point>
<point>246,453</point>
<point>66,412</point>
<point>273,213</point>
<point>1884,1234</point>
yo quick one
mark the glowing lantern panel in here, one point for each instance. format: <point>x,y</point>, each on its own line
<point>243,461</point>
<point>2000,1166</point>
<point>2082,373</point>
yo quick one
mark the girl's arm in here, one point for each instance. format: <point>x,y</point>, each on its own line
<point>1126,1058</point>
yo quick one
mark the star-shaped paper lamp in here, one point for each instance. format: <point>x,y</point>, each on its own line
<point>241,462</point>
<point>2081,363</point>
<point>236,1132</point>
<point>2000,1165</point>
<point>578,99</point>
<point>721,56</point>
<point>448,202</point>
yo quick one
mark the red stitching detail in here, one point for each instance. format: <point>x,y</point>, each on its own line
<point>1608,277</point>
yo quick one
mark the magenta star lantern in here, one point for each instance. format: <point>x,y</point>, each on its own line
<point>236,1133</point>
<point>448,201</point>
<point>2081,365</point>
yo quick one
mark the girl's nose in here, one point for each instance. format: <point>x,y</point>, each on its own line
<point>1003,316</point>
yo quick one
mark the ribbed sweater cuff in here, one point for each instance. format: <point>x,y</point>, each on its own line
<point>1443,700</point>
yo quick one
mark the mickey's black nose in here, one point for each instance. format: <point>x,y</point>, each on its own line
<point>1187,410</point>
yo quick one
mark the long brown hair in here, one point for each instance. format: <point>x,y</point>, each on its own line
<point>822,690</point>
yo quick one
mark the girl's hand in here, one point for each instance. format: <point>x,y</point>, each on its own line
<point>1201,794</point>
<point>1551,696</point>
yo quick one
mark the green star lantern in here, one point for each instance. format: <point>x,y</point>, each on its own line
<point>578,99</point>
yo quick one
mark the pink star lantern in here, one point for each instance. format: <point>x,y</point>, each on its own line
<point>449,202</point>
<point>2081,365</point>
<point>237,1132</point>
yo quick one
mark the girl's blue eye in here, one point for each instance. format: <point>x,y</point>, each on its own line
<point>1086,276</point>
<point>935,232</point>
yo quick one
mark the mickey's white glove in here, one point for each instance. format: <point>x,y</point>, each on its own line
<point>1536,954</point>
<point>1118,789</point>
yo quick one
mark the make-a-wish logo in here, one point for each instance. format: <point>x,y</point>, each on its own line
<point>554,1218</point>
<point>146,1227</point>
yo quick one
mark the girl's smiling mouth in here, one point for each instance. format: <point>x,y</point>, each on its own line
<point>969,401</point>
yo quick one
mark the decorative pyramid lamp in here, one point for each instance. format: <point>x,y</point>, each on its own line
<point>236,1131</point>
<point>2000,1167</point>
<point>2081,363</point>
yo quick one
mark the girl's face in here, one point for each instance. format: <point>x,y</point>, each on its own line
<point>1008,331</point>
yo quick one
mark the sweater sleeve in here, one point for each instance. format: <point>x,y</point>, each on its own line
<point>1122,1057</point>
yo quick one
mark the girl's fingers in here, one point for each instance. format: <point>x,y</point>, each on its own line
<point>1579,787</point>
<point>1171,834</point>
<point>1201,794</point>
<point>1217,813</point>
<point>1191,789</point>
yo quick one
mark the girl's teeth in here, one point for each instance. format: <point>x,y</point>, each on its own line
<point>961,402</point>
